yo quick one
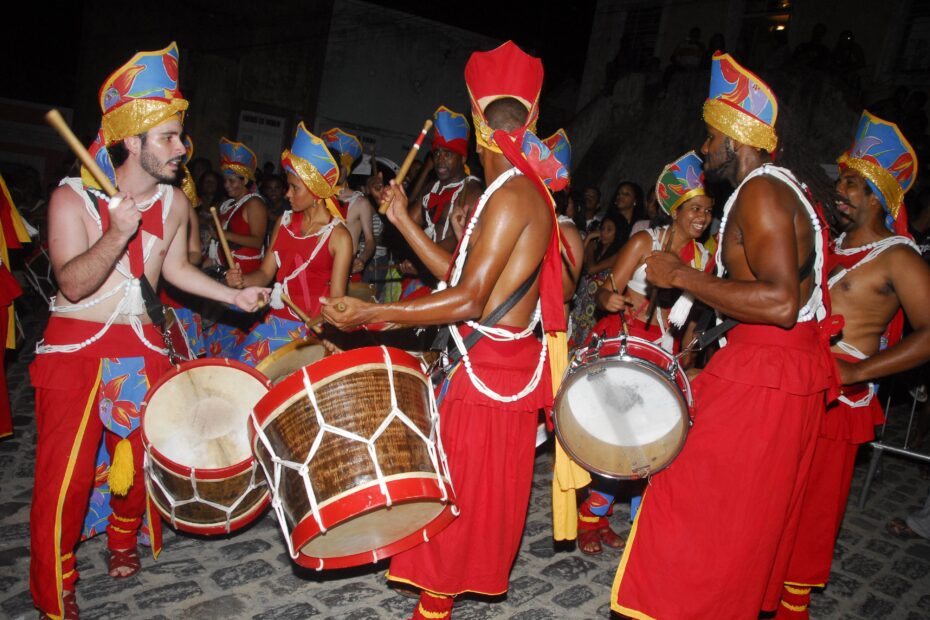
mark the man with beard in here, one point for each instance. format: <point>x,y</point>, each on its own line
<point>876,272</point>
<point>710,535</point>
<point>100,351</point>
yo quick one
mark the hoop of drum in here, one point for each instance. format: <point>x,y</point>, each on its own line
<point>346,449</point>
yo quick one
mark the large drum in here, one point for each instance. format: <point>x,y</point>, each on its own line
<point>623,409</point>
<point>199,468</point>
<point>292,356</point>
<point>350,446</point>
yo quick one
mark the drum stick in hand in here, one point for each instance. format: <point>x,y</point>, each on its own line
<point>54,118</point>
<point>405,167</point>
<point>653,297</point>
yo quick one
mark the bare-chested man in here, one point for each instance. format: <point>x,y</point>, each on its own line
<point>875,274</point>
<point>100,350</point>
<point>708,539</point>
<point>490,404</point>
<point>357,210</point>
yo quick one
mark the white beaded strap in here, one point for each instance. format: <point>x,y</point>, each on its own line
<point>876,248</point>
<point>497,332</point>
<point>437,456</point>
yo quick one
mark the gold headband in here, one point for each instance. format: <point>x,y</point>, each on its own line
<point>697,191</point>
<point>138,116</point>
<point>240,170</point>
<point>882,179</point>
<point>310,176</point>
<point>740,125</point>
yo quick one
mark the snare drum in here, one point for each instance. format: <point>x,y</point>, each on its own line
<point>351,450</point>
<point>199,469</point>
<point>623,409</point>
<point>292,356</point>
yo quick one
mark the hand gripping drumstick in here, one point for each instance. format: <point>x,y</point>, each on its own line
<point>405,167</point>
<point>54,118</point>
<point>653,298</point>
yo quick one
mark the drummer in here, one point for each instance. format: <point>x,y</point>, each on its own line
<point>311,249</point>
<point>244,218</point>
<point>100,350</point>
<point>626,297</point>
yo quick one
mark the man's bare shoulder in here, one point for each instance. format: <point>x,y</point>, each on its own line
<point>518,193</point>
<point>65,198</point>
<point>764,195</point>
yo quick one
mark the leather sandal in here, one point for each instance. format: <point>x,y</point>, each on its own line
<point>122,559</point>
<point>608,536</point>
<point>589,542</point>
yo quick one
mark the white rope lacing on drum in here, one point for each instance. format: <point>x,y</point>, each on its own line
<point>440,466</point>
<point>153,476</point>
<point>494,333</point>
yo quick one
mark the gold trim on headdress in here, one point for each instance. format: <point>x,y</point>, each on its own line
<point>333,209</point>
<point>240,170</point>
<point>697,191</point>
<point>189,188</point>
<point>739,125</point>
<point>138,116</point>
<point>309,175</point>
<point>881,178</point>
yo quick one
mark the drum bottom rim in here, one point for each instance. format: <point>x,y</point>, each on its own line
<point>404,489</point>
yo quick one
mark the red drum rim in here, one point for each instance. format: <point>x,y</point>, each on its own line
<point>235,524</point>
<point>293,384</point>
<point>184,470</point>
<point>366,500</point>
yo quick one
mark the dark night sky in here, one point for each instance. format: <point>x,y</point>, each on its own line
<point>41,56</point>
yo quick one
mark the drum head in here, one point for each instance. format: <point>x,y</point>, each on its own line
<point>291,357</point>
<point>198,415</point>
<point>621,418</point>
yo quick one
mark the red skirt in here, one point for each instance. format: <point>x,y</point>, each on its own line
<point>844,429</point>
<point>490,447</point>
<point>715,529</point>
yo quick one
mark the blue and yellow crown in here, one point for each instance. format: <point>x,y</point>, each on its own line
<point>680,181</point>
<point>345,144</point>
<point>237,159</point>
<point>740,104</point>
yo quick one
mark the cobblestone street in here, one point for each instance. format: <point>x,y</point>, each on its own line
<point>249,574</point>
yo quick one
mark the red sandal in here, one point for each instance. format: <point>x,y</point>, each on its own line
<point>589,542</point>
<point>608,536</point>
<point>123,559</point>
<point>69,607</point>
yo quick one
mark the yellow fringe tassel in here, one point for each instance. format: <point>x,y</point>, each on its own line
<point>122,470</point>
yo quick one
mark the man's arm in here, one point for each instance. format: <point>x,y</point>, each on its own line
<point>910,277</point>
<point>434,257</point>
<point>364,212</point>
<point>194,246</point>
<point>769,242</point>
<point>492,244</point>
<point>81,268</point>
<point>178,271</point>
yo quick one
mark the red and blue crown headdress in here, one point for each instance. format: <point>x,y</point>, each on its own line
<point>310,160</point>
<point>680,181</point>
<point>884,157</point>
<point>140,95</point>
<point>451,131</point>
<point>740,104</point>
<point>506,71</point>
<point>345,144</point>
<point>236,159</point>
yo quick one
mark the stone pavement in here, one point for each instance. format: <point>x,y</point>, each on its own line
<point>249,574</point>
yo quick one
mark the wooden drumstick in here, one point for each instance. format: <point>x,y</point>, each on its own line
<point>312,324</point>
<point>53,117</point>
<point>653,297</point>
<point>405,167</point>
<point>222,236</point>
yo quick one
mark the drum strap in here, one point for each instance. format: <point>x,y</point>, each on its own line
<point>709,335</point>
<point>441,343</point>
